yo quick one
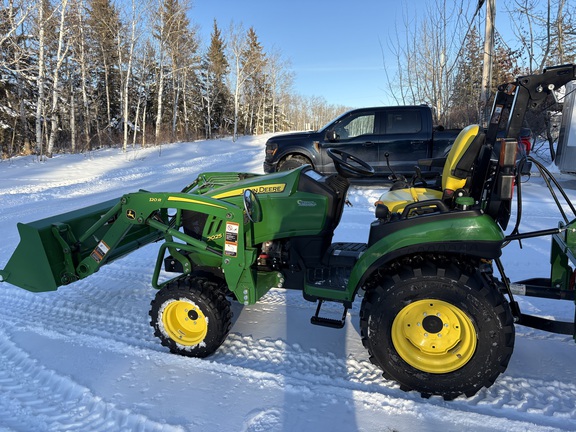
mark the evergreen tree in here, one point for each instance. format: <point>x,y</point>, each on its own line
<point>465,107</point>
<point>214,92</point>
<point>104,28</point>
<point>256,87</point>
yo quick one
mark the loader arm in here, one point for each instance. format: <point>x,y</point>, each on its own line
<point>72,246</point>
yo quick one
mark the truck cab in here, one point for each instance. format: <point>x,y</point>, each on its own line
<point>405,133</point>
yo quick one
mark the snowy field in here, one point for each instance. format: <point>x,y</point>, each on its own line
<point>84,358</point>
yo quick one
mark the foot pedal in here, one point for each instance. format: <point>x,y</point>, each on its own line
<point>328,322</point>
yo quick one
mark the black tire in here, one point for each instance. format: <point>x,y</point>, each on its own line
<point>292,162</point>
<point>437,330</point>
<point>191,316</point>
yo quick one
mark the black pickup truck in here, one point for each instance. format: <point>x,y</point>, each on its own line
<point>406,133</point>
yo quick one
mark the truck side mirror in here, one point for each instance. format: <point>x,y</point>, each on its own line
<point>332,136</point>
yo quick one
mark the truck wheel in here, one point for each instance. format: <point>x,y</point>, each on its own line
<point>439,331</point>
<point>191,316</point>
<point>292,162</point>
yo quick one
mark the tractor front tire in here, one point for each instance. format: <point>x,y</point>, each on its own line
<point>191,316</point>
<point>437,330</point>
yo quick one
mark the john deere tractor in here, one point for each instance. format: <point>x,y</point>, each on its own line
<point>434,316</point>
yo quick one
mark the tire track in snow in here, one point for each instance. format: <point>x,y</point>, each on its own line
<point>56,402</point>
<point>111,326</point>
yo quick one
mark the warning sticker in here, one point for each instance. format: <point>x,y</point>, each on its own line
<point>231,249</point>
<point>100,251</point>
<point>231,244</point>
<point>497,114</point>
<point>232,229</point>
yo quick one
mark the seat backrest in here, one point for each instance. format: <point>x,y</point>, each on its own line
<point>461,158</point>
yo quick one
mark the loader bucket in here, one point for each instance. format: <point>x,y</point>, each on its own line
<point>50,249</point>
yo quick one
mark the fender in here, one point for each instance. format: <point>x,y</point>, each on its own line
<point>300,151</point>
<point>467,232</point>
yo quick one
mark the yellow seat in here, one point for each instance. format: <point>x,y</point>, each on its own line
<point>452,180</point>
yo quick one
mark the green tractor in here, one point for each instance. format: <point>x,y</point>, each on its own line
<point>433,317</point>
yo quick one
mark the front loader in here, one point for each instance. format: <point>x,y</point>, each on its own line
<point>434,317</point>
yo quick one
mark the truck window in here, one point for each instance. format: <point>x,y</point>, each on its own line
<point>355,126</point>
<point>403,122</point>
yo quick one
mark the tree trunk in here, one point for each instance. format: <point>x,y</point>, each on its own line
<point>41,79</point>
<point>60,55</point>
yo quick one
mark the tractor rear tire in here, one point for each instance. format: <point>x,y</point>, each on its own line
<point>191,316</point>
<point>438,330</point>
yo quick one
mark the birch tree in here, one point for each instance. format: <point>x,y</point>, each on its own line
<point>60,56</point>
<point>79,48</point>
<point>125,66</point>
<point>41,78</point>
<point>280,81</point>
<point>16,81</point>
<point>247,61</point>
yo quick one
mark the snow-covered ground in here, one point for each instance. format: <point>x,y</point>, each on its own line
<point>84,358</point>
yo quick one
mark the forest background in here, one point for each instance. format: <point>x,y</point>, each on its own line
<point>76,75</point>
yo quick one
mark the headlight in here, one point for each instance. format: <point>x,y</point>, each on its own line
<point>271,150</point>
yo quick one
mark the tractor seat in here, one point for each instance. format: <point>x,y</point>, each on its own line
<point>455,174</point>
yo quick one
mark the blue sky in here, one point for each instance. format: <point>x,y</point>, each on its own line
<point>334,47</point>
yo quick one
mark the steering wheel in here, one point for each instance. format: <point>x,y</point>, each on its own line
<point>345,168</point>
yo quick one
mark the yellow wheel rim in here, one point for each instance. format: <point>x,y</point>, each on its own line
<point>184,322</point>
<point>434,336</point>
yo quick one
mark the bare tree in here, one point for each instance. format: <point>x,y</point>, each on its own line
<point>126,49</point>
<point>79,48</point>
<point>237,46</point>
<point>280,79</point>
<point>60,56</point>
<point>41,78</point>
<point>426,59</point>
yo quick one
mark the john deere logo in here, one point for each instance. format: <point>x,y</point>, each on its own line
<point>131,214</point>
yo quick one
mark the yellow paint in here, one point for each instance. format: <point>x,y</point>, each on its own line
<point>184,322</point>
<point>193,201</point>
<point>263,189</point>
<point>441,348</point>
